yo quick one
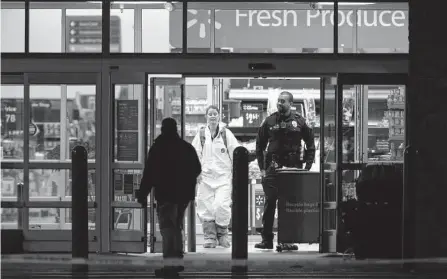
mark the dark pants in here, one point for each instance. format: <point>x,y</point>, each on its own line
<point>170,219</point>
<point>271,196</point>
<point>270,187</point>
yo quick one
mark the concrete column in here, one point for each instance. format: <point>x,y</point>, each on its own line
<point>427,130</point>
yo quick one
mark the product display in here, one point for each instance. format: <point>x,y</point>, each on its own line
<point>396,120</point>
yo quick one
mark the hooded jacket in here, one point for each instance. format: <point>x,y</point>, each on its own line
<point>172,168</point>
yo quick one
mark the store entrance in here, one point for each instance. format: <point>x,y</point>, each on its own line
<point>359,119</point>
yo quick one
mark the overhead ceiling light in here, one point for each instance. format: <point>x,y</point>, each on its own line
<point>129,2</point>
<point>169,6</point>
<point>347,3</point>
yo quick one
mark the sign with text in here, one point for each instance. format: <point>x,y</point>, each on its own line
<point>84,34</point>
<point>298,206</point>
<point>252,114</point>
<point>258,207</point>
<point>127,146</point>
<point>311,28</point>
<point>127,114</point>
<point>11,117</point>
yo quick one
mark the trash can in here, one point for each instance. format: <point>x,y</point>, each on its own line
<point>298,206</point>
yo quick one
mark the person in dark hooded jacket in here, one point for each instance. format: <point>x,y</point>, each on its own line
<point>172,168</point>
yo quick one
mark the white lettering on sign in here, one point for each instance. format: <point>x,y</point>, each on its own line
<point>251,117</point>
<point>250,107</point>
<point>10,109</point>
<point>284,18</point>
<point>41,105</point>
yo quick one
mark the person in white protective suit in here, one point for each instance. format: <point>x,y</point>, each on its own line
<point>215,145</point>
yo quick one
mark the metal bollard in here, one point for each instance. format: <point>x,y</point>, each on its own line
<point>79,208</point>
<point>192,228</point>
<point>20,189</point>
<point>239,210</point>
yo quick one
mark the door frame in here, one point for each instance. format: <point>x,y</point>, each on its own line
<point>52,238</point>
<point>371,79</point>
<point>126,241</point>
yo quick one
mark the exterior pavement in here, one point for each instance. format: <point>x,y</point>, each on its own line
<point>215,264</point>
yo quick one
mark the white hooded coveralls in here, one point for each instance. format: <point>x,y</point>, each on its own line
<point>214,191</point>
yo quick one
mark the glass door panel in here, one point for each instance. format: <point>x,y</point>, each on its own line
<point>328,166</point>
<point>61,115</point>
<point>372,119</point>
<point>166,100</point>
<point>12,150</point>
<point>129,227</point>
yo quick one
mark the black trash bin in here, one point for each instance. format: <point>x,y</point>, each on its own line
<point>298,206</point>
<point>378,229</point>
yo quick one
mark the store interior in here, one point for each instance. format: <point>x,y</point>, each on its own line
<point>244,101</point>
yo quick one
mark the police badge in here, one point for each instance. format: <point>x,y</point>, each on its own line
<point>294,124</point>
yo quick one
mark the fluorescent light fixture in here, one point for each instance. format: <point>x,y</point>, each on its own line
<point>130,2</point>
<point>347,4</point>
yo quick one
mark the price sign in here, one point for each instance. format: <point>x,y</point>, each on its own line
<point>10,113</point>
<point>252,114</point>
<point>52,130</point>
<point>259,202</point>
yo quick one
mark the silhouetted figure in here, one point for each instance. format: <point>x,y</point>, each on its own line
<point>172,168</point>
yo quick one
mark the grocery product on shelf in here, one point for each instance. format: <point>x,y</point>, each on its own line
<point>396,119</point>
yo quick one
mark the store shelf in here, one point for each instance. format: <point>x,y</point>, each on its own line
<point>397,138</point>
<point>398,106</point>
<point>244,131</point>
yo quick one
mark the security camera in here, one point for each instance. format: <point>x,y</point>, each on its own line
<point>315,5</point>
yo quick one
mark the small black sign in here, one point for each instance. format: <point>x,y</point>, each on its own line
<point>128,184</point>
<point>127,115</point>
<point>118,182</point>
<point>127,146</point>
<point>252,114</point>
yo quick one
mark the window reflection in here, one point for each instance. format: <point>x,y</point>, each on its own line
<point>56,183</point>
<point>12,121</point>
<point>60,126</point>
<point>56,218</point>
<point>10,179</point>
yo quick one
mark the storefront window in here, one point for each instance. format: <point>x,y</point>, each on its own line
<point>162,27</point>
<point>50,183</point>
<point>13,27</point>
<point>261,27</point>
<point>56,218</point>
<point>61,125</point>
<point>10,179</point>
<point>373,123</point>
<point>65,27</point>
<point>122,29</point>
<point>12,122</point>
<point>373,27</point>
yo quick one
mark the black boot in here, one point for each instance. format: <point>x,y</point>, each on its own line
<point>266,243</point>
<point>169,272</point>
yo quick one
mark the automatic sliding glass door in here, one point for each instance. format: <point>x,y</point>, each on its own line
<point>43,121</point>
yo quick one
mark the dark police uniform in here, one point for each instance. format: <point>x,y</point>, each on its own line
<point>283,134</point>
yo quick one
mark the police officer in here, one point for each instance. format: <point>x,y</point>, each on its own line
<point>283,132</point>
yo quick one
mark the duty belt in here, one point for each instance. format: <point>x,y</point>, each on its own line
<point>286,160</point>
